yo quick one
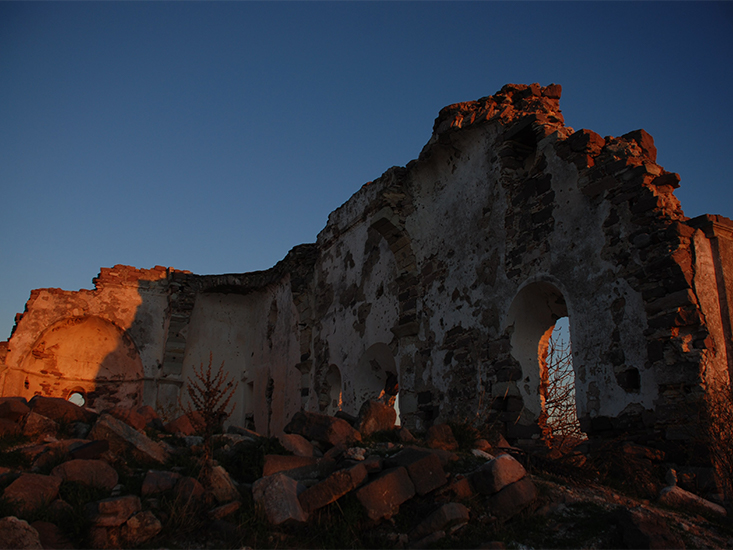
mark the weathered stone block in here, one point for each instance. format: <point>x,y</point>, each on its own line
<point>322,428</point>
<point>30,492</point>
<point>277,495</point>
<point>382,497</point>
<point>513,498</point>
<point>332,488</point>
<point>423,467</point>
<point>122,438</point>
<point>94,473</point>
<point>496,474</point>
<point>374,417</point>
<point>113,512</point>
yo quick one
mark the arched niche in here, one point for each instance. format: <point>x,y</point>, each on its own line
<point>88,356</point>
<point>376,370</point>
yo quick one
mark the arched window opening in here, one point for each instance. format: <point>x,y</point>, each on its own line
<point>540,340</point>
<point>557,388</point>
<point>78,398</point>
<point>377,377</point>
<point>332,393</point>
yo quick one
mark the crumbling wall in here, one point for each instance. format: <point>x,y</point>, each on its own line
<point>447,276</point>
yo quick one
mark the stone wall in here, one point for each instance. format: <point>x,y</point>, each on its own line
<point>448,276</point>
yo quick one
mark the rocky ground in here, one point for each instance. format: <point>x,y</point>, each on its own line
<point>74,478</point>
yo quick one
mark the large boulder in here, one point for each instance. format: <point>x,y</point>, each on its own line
<point>222,486</point>
<point>158,482</point>
<point>93,473</point>
<point>51,535</point>
<point>375,416</point>
<point>496,474</point>
<point>676,497</point>
<point>280,463</point>
<point>17,534</point>
<point>296,444</point>
<point>31,492</point>
<point>140,528</point>
<point>60,410</point>
<point>123,438</point>
<point>322,428</point>
<point>382,497</point>
<point>35,425</point>
<point>513,498</point>
<point>277,496</point>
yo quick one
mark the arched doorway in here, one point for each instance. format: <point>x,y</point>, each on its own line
<point>377,376</point>
<point>540,343</point>
<point>85,358</point>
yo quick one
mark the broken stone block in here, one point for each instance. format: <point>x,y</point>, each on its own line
<point>123,438</point>
<point>51,535</point>
<point>129,416</point>
<point>677,497</point>
<point>277,496</point>
<point>513,498</point>
<point>296,444</point>
<point>158,482</point>
<point>59,410</point>
<point>444,518</point>
<point>13,408</point>
<point>459,487</point>
<point>332,488</point>
<point>375,417</point>
<point>16,533</point>
<point>440,436</point>
<point>222,486</point>
<point>423,467</point>
<point>30,492</point>
<point>114,511</point>
<point>181,425</point>
<point>382,497</point>
<point>94,473</point>
<point>405,435</point>
<point>36,424</point>
<point>279,463</point>
<point>496,474</point>
<point>140,528</point>
<point>322,428</point>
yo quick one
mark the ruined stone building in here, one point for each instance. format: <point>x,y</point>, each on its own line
<point>450,274</point>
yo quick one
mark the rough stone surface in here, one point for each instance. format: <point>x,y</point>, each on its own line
<point>36,424</point>
<point>188,489</point>
<point>296,444</point>
<point>382,497</point>
<point>513,498</point>
<point>122,437</point>
<point>332,488</point>
<point>447,516</point>
<point>140,528</point>
<point>16,534</point>
<point>113,512</point>
<point>322,428</point>
<point>222,486</point>
<point>129,416</point>
<point>220,512</point>
<point>424,468</point>
<point>94,473</point>
<point>90,450</point>
<point>496,474</point>
<point>277,495</point>
<point>375,416</point>
<point>9,428</point>
<point>59,410</point>
<point>30,492</point>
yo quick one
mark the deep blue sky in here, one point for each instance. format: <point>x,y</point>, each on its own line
<point>214,137</point>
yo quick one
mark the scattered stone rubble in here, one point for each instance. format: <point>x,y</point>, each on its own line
<point>330,461</point>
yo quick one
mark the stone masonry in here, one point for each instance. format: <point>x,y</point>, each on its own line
<point>446,276</point>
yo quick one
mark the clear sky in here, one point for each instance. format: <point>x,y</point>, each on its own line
<point>214,137</point>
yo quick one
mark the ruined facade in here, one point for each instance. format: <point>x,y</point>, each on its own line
<point>448,274</point>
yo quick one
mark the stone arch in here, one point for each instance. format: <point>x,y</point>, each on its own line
<point>531,319</point>
<point>87,355</point>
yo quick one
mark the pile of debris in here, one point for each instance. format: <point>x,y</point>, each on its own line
<point>124,478</point>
